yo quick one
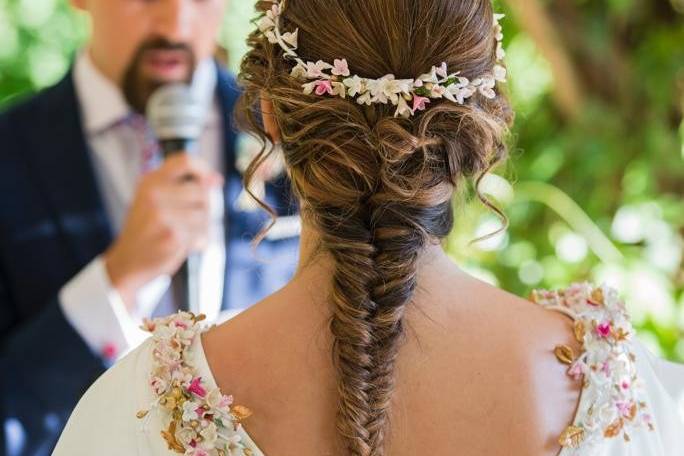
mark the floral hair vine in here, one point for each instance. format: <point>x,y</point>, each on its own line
<point>408,95</point>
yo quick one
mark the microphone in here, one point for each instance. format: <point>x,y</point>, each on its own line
<point>177,116</point>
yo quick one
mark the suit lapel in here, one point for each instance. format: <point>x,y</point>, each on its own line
<point>62,163</point>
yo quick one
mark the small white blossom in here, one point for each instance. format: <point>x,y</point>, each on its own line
<point>355,85</point>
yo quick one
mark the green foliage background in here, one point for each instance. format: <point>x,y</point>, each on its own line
<point>594,195</point>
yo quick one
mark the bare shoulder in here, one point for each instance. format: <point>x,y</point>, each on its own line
<point>502,369</point>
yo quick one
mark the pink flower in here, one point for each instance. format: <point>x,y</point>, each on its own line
<point>340,68</point>
<point>226,401</point>
<point>419,103</point>
<point>625,408</point>
<point>604,329</point>
<point>199,452</point>
<point>196,387</point>
<point>625,385</point>
<point>323,87</point>
<point>576,371</point>
<point>180,324</point>
<point>605,368</point>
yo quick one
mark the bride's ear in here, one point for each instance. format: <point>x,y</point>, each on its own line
<point>270,124</point>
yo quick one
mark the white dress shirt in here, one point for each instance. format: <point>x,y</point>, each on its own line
<point>89,301</point>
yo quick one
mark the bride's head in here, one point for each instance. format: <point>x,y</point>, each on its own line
<point>375,169</point>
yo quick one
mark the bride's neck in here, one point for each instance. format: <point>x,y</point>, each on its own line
<point>315,262</point>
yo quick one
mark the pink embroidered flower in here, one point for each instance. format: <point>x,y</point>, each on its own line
<point>576,371</point>
<point>603,330</point>
<point>196,387</point>
<point>419,103</point>
<point>180,324</point>
<point>323,87</point>
<point>625,408</point>
<point>625,385</point>
<point>226,401</point>
<point>605,368</point>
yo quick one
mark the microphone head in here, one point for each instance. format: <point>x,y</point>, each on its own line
<point>175,113</point>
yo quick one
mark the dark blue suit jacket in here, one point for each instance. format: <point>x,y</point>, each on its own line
<point>52,224</point>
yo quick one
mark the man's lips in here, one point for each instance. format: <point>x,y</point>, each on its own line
<point>167,64</point>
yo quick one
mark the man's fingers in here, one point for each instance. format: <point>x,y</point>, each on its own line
<point>183,166</point>
<point>189,195</point>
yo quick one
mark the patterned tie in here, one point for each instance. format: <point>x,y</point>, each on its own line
<point>175,297</point>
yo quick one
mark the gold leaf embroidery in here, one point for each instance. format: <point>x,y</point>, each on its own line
<point>170,437</point>
<point>142,414</point>
<point>580,331</point>
<point>240,412</point>
<point>564,354</point>
<point>597,296</point>
<point>572,437</point>
<point>614,429</point>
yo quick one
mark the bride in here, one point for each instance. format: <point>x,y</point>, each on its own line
<point>380,344</point>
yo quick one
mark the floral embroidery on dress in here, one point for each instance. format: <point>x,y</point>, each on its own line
<point>198,421</point>
<point>612,402</point>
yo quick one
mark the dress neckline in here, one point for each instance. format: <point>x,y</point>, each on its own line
<point>611,402</point>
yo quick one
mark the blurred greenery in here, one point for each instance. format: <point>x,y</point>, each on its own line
<point>594,188</point>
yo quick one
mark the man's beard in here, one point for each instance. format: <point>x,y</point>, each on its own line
<point>138,87</point>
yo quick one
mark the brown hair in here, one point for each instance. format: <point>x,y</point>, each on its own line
<point>376,187</point>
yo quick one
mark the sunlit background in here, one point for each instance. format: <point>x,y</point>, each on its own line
<point>595,187</point>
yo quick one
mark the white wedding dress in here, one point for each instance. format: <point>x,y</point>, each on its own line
<point>163,400</point>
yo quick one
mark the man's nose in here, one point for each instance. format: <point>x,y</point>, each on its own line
<point>174,20</point>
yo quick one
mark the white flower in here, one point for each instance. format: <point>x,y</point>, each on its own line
<point>500,53</point>
<point>430,77</point>
<point>272,38</point>
<point>339,89</point>
<point>190,411</point>
<point>209,434</point>
<point>486,87</point>
<point>299,71</point>
<point>388,89</point>
<point>355,85</point>
<point>500,73</point>
<point>265,24</point>
<point>441,70</point>
<point>365,99</point>
<point>403,109</point>
<point>291,38</point>
<point>315,70</point>
<point>437,91</point>
<point>235,446</point>
<point>309,87</point>
<point>458,93</point>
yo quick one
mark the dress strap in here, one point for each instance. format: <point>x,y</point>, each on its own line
<point>612,400</point>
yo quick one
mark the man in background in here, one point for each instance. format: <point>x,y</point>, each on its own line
<point>94,224</point>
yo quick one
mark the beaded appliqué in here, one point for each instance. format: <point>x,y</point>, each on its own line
<point>197,421</point>
<point>612,389</point>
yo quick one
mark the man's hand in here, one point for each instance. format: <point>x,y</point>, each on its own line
<point>169,219</point>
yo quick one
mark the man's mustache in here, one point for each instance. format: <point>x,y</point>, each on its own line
<point>162,44</point>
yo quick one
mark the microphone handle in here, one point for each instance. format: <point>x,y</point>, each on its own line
<point>186,280</point>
